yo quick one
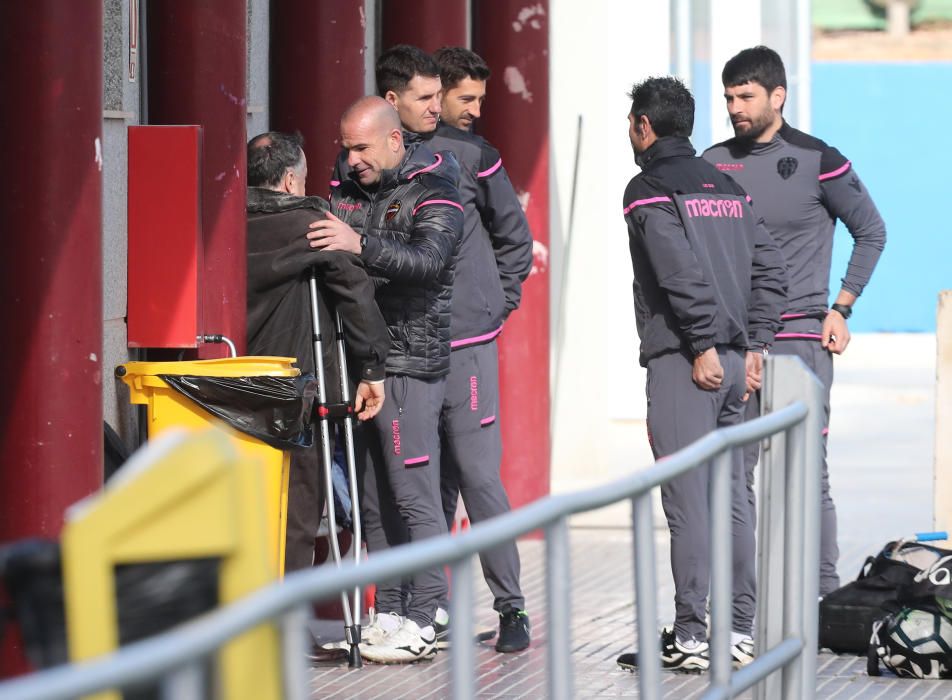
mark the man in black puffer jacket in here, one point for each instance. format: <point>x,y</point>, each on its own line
<point>398,207</point>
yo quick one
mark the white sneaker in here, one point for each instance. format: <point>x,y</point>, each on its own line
<point>406,645</point>
<point>379,626</point>
<point>742,653</point>
<point>375,631</point>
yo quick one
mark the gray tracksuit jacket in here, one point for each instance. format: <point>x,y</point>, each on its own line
<point>706,272</point>
<point>495,254</point>
<point>801,186</point>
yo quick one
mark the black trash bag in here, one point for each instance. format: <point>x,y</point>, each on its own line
<point>275,410</point>
<point>31,576</point>
<point>151,598</point>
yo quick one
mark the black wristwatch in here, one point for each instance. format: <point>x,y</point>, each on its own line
<point>843,310</point>
<point>363,242</point>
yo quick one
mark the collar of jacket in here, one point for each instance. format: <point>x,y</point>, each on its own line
<point>665,147</point>
<point>266,201</point>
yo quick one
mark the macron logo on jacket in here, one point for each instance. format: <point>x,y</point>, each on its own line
<point>713,207</point>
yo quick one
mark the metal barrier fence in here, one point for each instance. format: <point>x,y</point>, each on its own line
<point>787,634</point>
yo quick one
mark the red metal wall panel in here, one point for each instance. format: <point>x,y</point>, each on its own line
<point>317,71</point>
<point>197,56</point>
<point>513,38</point>
<point>51,313</point>
<point>428,24</point>
<point>165,236</point>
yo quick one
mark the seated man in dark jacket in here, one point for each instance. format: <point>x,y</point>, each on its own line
<point>709,288</point>
<point>398,208</point>
<point>279,316</point>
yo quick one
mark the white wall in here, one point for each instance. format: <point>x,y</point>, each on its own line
<point>598,49</point>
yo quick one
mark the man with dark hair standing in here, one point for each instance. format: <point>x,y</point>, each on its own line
<point>397,207</point>
<point>800,186</point>
<point>709,286</point>
<point>279,317</point>
<point>495,256</point>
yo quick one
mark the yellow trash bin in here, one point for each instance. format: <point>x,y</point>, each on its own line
<point>168,408</point>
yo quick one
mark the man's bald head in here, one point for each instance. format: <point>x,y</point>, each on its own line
<point>370,134</point>
<point>373,110</point>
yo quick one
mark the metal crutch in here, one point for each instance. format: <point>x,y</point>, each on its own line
<point>324,412</point>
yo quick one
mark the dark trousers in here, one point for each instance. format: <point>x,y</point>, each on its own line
<point>680,413</point>
<point>471,457</point>
<point>400,466</point>
<point>820,361</point>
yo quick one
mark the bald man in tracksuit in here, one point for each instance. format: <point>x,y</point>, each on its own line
<point>709,286</point>
<point>494,258</point>
<point>800,186</point>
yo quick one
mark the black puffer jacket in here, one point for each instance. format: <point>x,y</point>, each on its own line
<point>413,222</point>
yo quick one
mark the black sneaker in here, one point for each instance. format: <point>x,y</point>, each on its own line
<point>513,631</point>
<point>442,631</point>
<point>674,655</point>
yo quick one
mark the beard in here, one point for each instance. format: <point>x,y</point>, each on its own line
<point>752,129</point>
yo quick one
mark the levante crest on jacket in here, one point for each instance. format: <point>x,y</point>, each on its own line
<point>392,210</point>
<point>786,167</point>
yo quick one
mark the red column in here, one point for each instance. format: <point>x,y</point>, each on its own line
<point>197,53</point>
<point>51,276</point>
<point>317,71</point>
<point>513,37</point>
<point>428,24</point>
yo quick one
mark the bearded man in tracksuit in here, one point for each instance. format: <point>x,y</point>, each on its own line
<point>490,268</point>
<point>398,208</point>
<point>709,286</point>
<point>800,186</point>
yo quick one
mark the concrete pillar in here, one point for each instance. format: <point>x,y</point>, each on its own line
<point>513,38</point>
<point>317,69</point>
<point>428,24</point>
<point>51,276</point>
<point>197,67</point>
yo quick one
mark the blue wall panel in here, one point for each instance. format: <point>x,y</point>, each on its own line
<point>892,121</point>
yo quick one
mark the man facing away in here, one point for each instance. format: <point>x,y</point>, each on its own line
<point>800,187</point>
<point>398,208</point>
<point>709,286</point>
<point>490,267</point>
<point>279,317</point>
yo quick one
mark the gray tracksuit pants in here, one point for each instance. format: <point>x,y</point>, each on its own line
<point>801,337</point>
<point>471,456</point>
<point>400,464</point>
<point>678,414</point>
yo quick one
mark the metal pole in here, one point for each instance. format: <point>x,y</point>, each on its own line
<point>463,656</point>
<point>649,660</point>
<point>681,34</point>
<point>812,491</point>
<point>794,564</point>
<point>294,653</point>
<point>558,583</point>
<point>351,467</point>
<point>770,534</point>
<point>188,683</point>
<point>721,566</point>
<point>326,463</point>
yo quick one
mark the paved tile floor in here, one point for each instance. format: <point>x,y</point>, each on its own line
<point>881,463</point>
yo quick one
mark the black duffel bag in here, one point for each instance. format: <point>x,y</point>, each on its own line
<point>847,614</point>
